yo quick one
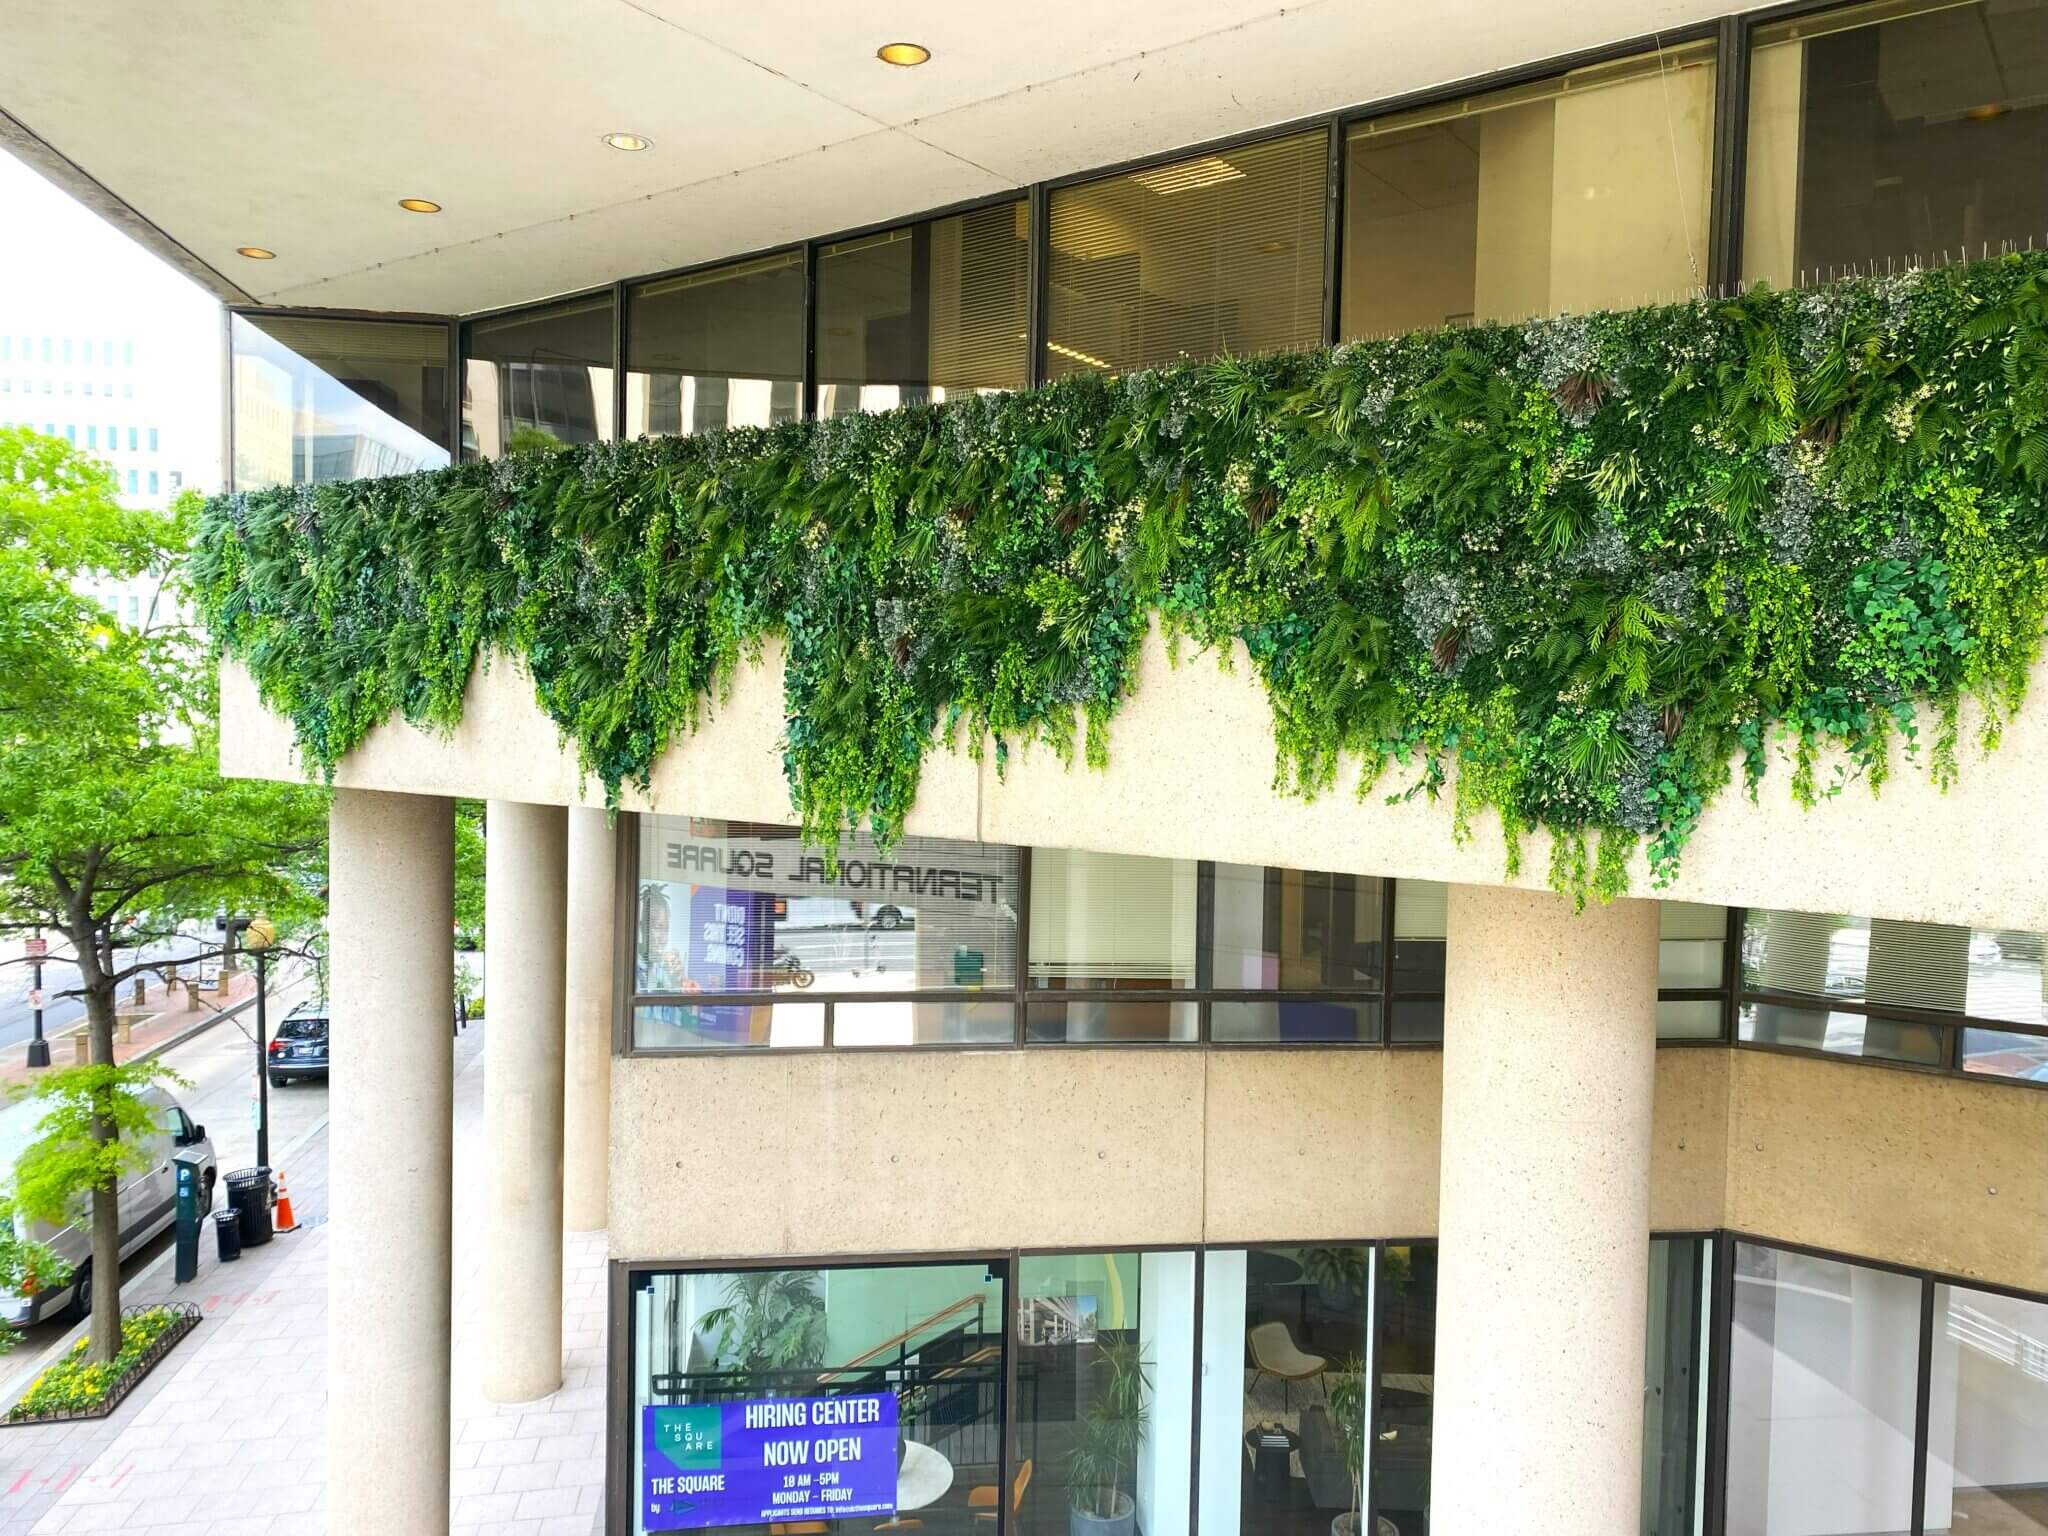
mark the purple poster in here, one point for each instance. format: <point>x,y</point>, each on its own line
<point>786,1458</point>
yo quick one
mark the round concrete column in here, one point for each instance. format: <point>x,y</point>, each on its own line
<point>1550,1033</point>
<point>390,1137</point>
<point>587,1107</point>
<point>525,918</point>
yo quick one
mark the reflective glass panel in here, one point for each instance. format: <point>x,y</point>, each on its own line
<point>1688,1019</point>
<point>1107,1020</point>
<point>1823,1370</point>
<point>318,399</point>
<point>538,378</point>
<point>1301,1020</point>
<point>1840,1033</point>
<point>940,1022</point>
<point>1404,1364</point>
<point>2005,1053</point>
<point>736,907</point>
<point>1675,1386</point>
<point>924,313</point>
<point>723,348</point>
<point>1585,191</point>
<point>1219,253</point>
<point>1102,1422</point>
<point>740,1380</point>
<point>728,1026</point>
<point>1987,1415</point>
<point>1111,920</point>
<point>1292,930</point>
<point>1421,917</point>
<point>1690,941</point>
<point>1285,1388</point>
<point>1892,134</point>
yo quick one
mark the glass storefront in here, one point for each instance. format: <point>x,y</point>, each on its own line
<point>722,348</point>
<point>538,378</point>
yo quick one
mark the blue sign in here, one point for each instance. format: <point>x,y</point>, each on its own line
<point>784,1458</point>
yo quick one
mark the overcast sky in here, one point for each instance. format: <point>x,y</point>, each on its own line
<point>64,271</point>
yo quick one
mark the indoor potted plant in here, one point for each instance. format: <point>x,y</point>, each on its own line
<point>1346,1387</point>
<point>1108,1446</point>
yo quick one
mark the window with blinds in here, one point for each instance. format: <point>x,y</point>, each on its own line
<point>538,377</point>
<point>928,312</point>
<point>716,349</point>
<point>1219,253</point>
<point>1692,943</point>
<point>1111,920</point>
<point>318,399</point>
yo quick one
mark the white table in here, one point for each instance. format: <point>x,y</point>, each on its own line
<point>923,1478</point>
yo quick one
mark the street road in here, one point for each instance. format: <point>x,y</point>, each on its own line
<point>220,1066</point>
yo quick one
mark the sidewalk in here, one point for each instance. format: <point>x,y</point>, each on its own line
<point>228,1436</point>
<point>171,1020</point>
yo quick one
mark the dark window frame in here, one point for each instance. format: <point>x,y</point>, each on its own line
<point>1020,996</point>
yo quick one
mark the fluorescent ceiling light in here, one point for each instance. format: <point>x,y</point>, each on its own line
<point>1077,355</point>
<point>1187,175</point>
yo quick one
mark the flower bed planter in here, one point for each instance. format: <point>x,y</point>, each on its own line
<point>124,1375</point>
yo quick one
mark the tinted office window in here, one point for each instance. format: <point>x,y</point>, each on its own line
<point>1404,1366</point>
<point>1111,923</point>
<point>723,348</point>
<point>318,399</point>
<point>1823,1370</point>
<point>1987,1420</point>
<point>927,312</point>
<point>1868,966</point>
<point>1294,930</point>
<point>1219,253</point>
<point>539,377</point>
<point>906,1361</point>
<point>1692,940</point>
<point>741,909</point>
<point>152,439</point>
<point>1675,1385</point>
<point>1892,134</point>
<point>1285,1397</point>
<point>1104,1349</point>
<point>1587,191</point>
<point>1421,922</point>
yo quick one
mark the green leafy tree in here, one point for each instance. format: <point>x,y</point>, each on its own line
<point>116,829</point>
<point>469,874</point>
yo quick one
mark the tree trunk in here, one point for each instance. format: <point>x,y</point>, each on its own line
<point>105,1333</point>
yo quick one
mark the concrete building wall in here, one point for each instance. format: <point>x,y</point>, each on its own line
<point>828,1153</point>
<point>1992,872</point>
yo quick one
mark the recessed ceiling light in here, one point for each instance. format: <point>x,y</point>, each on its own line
<point>255,253</point>
<point>1987,112</point>
<point>628,141</point>
<point>418,205</point>
<point>903,55</point>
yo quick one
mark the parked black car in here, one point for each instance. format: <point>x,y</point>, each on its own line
<point>299,1049</point>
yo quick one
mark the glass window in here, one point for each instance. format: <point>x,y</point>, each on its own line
<point>2005,1053</point>
<point>928,312</point>
<point>1102,1423</point>
<point>320,399</point>
<point>1823,1368</point>
<point>1294,930</point>
<point>1839,1033</point>
<point>730,908</point>
<point>1891,134</point>
<point>1299,1019</point>
<point>740,1381</point>
<point>1111,921</point>
<point>1404,1370</point>
<point>723,348</point>
<point>538,378</point>
<point>1987,1417</point>
<point>1692,942</point>
<point>728,1026</point>
<point>1285,1388</point>
<point>1098,1020</point>
<point>152,430</point>
<point>1585,191</point>
<point>1675,1387</point>
<point>1220,253</point>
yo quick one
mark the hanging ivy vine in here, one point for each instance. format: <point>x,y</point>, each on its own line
<point>1585,563</point>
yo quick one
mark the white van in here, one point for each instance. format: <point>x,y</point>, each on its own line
<point>149,1202</point>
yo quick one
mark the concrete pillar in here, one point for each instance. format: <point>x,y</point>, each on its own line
<point>525,912</point>
<point>587,1106</point>
<point>1550,1021</point>
<point>390,1134</point>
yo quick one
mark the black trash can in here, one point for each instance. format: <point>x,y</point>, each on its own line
<point>227,1235</point>
<point>249,1197</point>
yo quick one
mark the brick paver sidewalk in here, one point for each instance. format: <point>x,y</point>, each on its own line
<point>228,1436</point>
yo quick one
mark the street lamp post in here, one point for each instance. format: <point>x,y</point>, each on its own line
<point>38,1047</point>
<point>258,935</point>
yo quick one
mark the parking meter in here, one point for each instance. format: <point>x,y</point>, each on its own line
<point>188,1223</point>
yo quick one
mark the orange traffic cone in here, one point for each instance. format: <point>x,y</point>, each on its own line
<point>284,1221</point>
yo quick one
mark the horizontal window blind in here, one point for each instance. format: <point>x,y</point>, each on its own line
<point>1219,253</point>
<point>1420,909</point>
<point>742,321</point>
<point>1110,918</point>
<point>325,342</point>
<point>1883,961</point>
